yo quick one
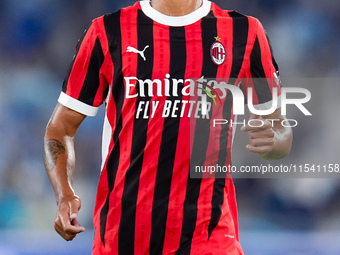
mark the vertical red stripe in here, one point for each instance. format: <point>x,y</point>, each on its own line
<point>154,136</point>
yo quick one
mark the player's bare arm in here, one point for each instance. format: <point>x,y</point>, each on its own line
<point>59,159</point>
<point>271,140</point>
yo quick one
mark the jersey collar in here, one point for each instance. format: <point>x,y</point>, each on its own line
<point>177,21</point>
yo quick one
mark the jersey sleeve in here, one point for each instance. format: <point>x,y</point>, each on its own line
<point>263,73</point>
<point>86,85</point>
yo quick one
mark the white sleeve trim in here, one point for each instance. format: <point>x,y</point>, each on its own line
<point>76,105</point>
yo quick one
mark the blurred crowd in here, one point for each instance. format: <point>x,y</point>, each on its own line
<point>37,42</point>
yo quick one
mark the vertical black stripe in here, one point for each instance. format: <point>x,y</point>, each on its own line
<point>126,236</point>
<point>258,74</point>
<point>240,37</point>
<point>168,145</point>
<point>272,53</point>
<point>201,139</point>
<point>92,79</point>
<point>112,28</point>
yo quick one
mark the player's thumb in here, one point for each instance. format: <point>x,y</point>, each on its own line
<point>74,208</point>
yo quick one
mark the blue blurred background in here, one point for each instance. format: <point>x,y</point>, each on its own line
<point>293,216</point>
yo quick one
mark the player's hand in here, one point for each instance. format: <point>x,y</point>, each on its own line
<point>261,135</point>
<point>66,223</point>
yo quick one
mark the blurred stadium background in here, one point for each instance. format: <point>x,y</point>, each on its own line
<point>290,216</point>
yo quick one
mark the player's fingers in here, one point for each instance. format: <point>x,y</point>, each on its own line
<point>260,149</point>
<point>66,225</point>
<point>75,206</point>
<point>75,223</point>
<point>68,237</point>
<point>267,133</point>
<point>58,226</point>
<point>261,142</point>
<point>59,223</point>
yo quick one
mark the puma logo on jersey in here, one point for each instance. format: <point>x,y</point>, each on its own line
<point>134,50</point>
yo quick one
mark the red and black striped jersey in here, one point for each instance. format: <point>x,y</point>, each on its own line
<point>142,64</point>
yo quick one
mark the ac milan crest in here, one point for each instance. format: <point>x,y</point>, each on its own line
<point>218,53</point>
